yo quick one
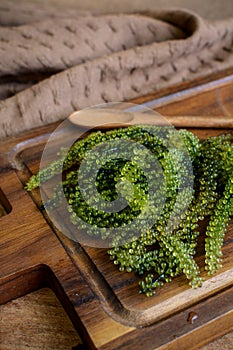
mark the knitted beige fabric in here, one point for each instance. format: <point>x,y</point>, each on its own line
<point>52,67</point>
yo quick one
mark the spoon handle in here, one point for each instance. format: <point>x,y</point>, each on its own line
<point>107,119</point>
<point>218,122</point>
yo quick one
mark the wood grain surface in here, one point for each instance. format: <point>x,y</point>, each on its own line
<point>36,321</point>
<point>103,304</point>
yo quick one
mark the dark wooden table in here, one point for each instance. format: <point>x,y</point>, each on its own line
<point>104,304</point>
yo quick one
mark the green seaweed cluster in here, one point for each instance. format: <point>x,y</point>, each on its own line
<point>168,246</point>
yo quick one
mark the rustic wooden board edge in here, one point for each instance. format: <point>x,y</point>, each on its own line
<point>184,328</point>
<point>21,283</point>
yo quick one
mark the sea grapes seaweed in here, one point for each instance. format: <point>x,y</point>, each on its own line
<point>223,210</point>
<point>168,248</point>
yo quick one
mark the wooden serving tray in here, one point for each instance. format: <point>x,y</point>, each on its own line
<point>103,303</point>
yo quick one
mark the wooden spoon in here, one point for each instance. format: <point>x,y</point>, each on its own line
<point>109,118</point>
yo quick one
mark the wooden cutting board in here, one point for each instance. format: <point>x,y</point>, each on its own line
<point>103,303</point>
